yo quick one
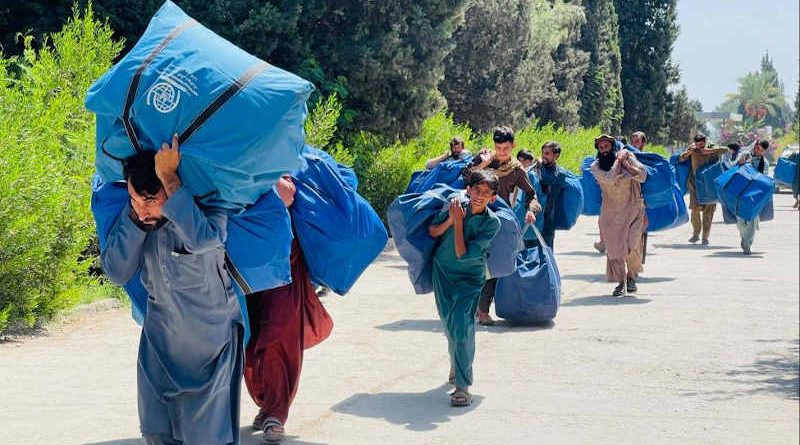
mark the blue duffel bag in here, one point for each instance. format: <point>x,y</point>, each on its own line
<point>519,206</point>
<point>570,202</point>
<point>409,216</point>
<point>682,170</point>
<point>503,250</point>
<point>108,200</point>
<point>239,119</point>
<point>704,177</point>
<point>745,191</point>
<point>785,171</point>
<point>447,172</point>
<point>533,292</point>
<point>592,196</point>
<point>337,228</point>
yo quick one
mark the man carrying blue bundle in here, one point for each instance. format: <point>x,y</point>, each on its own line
<point>620,176</point>
<point>552,177</point>
<point>747,229</point>
<point>702,214</point>
<point>456,152</point>
<point>190,350</point>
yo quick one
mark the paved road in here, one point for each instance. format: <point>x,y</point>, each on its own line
<point>707,354</point>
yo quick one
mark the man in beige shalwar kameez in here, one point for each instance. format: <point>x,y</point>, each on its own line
<point>620,176</point>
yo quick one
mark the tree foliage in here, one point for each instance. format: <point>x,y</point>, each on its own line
<point>680,117</point>
<point>601,96</point>
<point>647,31</point>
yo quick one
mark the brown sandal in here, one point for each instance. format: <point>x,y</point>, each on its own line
<point>273,431</point>
<point>460,397</point>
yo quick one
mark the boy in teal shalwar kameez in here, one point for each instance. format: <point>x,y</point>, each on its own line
<point>465,230</point>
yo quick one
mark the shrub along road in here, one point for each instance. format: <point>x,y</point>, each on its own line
<point>706,353</point>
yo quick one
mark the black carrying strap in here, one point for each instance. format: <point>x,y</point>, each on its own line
<point>137,77</point>
<point>238,85</point>
<point>237,276</point>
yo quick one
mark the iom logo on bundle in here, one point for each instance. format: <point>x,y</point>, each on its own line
<point>165,94</point>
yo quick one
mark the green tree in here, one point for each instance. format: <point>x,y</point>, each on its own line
<point>647,31</point>
<point>492,76</point>
<point>680,115</point>
<point>601,96</point>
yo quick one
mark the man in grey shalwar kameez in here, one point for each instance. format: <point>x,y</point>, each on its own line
<point>190,349</point>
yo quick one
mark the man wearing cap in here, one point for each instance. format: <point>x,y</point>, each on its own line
<point>620,176</point>
<point>702,214</point>
<point>456,152</point>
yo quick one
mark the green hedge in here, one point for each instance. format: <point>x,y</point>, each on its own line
<point>46,157</point>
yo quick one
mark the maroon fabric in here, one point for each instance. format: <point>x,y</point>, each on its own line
<point>283,322</point>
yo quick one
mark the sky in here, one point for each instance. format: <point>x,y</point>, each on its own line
<point>722,40</point>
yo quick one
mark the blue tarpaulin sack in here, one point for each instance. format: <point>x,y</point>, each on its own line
<point>519,206</point>
<point>785,171</point>
<point>506,244</point>
<point>704,182</point>
<point>532,293</point>
<point>745,191</point>
<point>447,172</point>
<point>570,203</point>
<point>669,215</point>
<point>239,119</point>
<point>682,170</point>
<point>347,173</point>
<point>108,200</point>
<point>657,188</point>
<point>336,226</point>
<point>409,217</point>
<point>592,197</point>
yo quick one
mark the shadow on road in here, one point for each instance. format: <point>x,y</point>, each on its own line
<point>687,246</point>
<point>412,325</point>
<point>773,373</point>
<point>119,442</point>
<point>416,411</point>
<point>606,300</point>
<point>593,278</point>
<point>249,437</point>
<point>592,253</point>
<point>735,255</point>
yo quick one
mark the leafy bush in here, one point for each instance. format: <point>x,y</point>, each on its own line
<point>46,157</point>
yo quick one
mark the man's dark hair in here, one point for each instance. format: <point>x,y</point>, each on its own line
<point>621,139</point>
<point>140,170</point>
<point>640,134</point>
<point>503,134</point>
<point>525,154</point>
<point>554,146</point>
<point>734,146</point>
<point>764,144</point>
<point>484,177</point>
<point>457,140</point>
<point>699,137</point>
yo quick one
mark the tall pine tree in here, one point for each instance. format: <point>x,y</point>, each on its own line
<point>601,96</point>
<point>647,31</point>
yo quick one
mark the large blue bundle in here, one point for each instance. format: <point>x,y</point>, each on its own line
<point>447,172</point>
<point>682,170</point>
<point>507,243</point>
<point>519,206</point>
<point>532,293</point>
<point>745,191</point>
<point>338,228</point>
<point>259,245</point>
<point>657,188</point>
<point>409,217</point>
<point>669,215</point>
<point>239,119</point>
<point>704,177</point>
<point>570,203</point>
<point>108,199</point>
<point>785,171</point>
<point>347,173</point>
<point>592,196</point>
<point>768,212</point>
